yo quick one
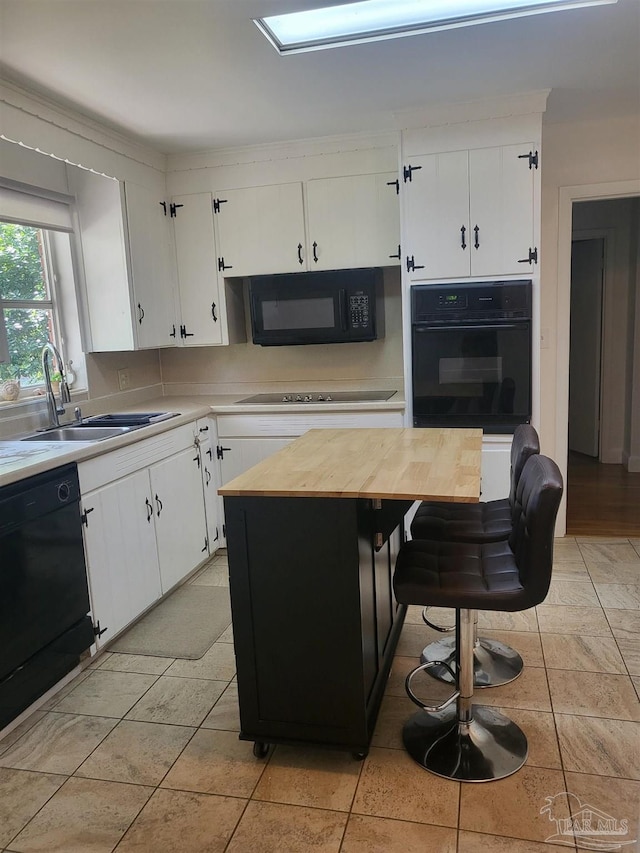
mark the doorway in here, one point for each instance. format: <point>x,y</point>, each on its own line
<point>602,491</point>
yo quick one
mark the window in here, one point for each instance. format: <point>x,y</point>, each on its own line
<point>26,301</point>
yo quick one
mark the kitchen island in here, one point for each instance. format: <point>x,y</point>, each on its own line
<point>312,534</point>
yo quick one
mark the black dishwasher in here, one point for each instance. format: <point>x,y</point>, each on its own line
<point>44,598</point>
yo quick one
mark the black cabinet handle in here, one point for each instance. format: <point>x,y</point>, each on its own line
<point>149,509</point>
<point>213,312</point>
<point>398,255</point>
<point>196,459</point>
<point>210,454</point>
<point>463,242</point>
<point>206,545</point>
<point>204,429</point>
<point>300,261</point>
<point>163,205</point>
<point>172,334</point>
<point>315,253</point>
<point>476,242</point>
<point>208,474</point>
<point>158,505</point>
<point>140,313</point>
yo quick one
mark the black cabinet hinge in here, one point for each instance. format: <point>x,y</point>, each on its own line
<point>395,184</point>
<point>532,157</point>
<point>221,450</point>
<point>173,207</point>
<point>184,333</point>
<point>216,204</point>
<point>407,172</point>
<point>98,631</point>
<point>533,257</point>
<point>83,517</point>
<point>222,266</point>
<point>412,265</point>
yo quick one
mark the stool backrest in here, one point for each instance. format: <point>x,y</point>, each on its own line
<point>525,444</point>
<point>537,500</point>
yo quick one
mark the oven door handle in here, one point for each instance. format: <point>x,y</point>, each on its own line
<point>475,328</point>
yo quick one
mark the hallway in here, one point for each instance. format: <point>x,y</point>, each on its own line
<point>601,499</point>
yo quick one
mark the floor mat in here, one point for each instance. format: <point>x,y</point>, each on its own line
<point>185,625</point>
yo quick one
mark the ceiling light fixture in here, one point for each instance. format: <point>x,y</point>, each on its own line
<point>374,20</point>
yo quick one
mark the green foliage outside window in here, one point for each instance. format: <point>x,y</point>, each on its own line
<point>22,279</point>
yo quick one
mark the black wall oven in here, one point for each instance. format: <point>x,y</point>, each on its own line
<point>471,354</point>
<point>44,597</point>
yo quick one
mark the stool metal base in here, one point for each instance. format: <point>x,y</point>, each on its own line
<point>494,663</point>
<point>488,747</point>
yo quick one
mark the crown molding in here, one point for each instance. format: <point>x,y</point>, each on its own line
<point>52,113</point>
<point>438,115</point>
<point>245,154</point>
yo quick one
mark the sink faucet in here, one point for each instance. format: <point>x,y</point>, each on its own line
<point>53,409</point>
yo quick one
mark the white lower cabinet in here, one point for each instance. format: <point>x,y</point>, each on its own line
<point>207,436</point>
<point>181,530</point>
<point>145,526</point>
<point>122,559</point>
<point>240,454</point>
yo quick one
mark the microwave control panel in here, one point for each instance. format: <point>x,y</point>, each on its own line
<point>358,310</point>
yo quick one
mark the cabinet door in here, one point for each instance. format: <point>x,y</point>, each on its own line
<point>198,285</point>
<point>151,267</point>
<point>352,222</point>
<point>122,561</point>
<point>259,230</point>
<point>436,209</point>
<point>176,487</point>
<point>208,438</point>
<point>240,454</point>
<point>501,205</point>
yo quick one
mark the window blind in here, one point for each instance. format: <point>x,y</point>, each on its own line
<point>25,208</point>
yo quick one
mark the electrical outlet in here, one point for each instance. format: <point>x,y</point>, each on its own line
<point>124,380</point>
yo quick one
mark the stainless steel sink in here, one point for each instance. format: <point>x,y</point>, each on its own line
<point>128,419</point>
<point>79,433</point>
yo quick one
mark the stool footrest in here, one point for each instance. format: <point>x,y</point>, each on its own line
<point>423,668</point>
<point>443,629</point>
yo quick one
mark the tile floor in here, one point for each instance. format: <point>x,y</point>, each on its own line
<point>141,754</point>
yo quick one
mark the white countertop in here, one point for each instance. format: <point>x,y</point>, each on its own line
<point>19,459</point>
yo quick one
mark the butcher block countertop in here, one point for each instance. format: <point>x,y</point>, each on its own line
<point>395,463</point>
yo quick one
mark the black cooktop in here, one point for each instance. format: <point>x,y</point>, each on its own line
<point>320,397</point>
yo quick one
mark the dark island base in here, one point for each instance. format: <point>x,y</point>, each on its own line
<point>314,618</point>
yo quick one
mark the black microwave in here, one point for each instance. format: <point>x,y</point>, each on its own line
<point>339,306</point>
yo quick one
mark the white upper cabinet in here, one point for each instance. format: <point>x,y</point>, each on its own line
<point>151,266</point>
<point>344,222</point>
<point>260,230</point>
<point>211,312</point>
<point>198,286</point>
<point>470,213</point>
<point>352,222</point>
<point>125,241</point>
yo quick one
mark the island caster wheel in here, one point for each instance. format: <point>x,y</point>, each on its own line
<point>360,756</point>
<point>260,749</point>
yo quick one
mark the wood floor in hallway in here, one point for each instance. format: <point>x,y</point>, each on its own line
<point>601,499</point>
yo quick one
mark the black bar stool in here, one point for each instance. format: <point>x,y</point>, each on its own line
<point>494,663</point>
<point>472,743</point>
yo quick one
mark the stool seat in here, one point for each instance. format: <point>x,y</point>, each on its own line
<point>450,522</point>
<point>439,573</point>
